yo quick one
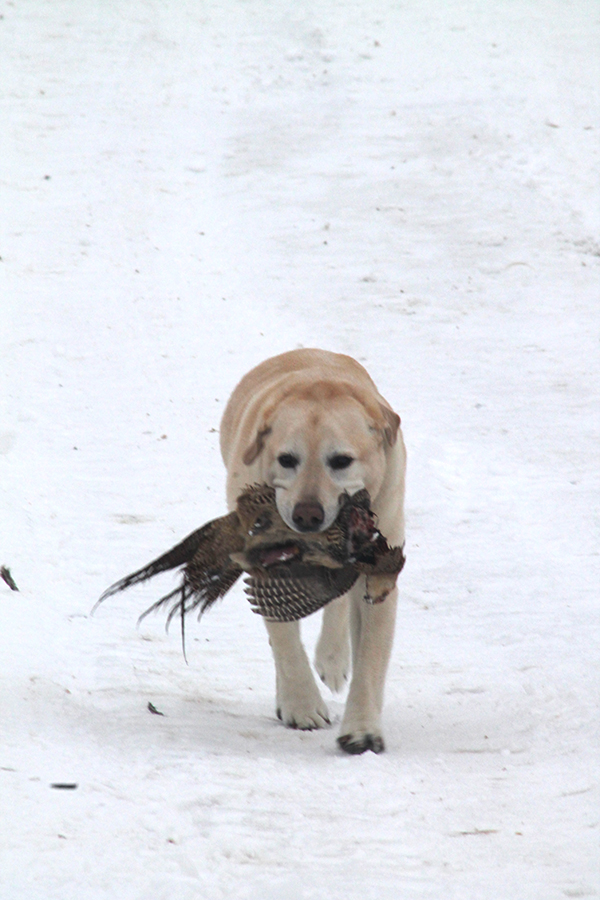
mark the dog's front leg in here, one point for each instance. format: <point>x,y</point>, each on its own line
<point>372,633</point>
<point>299,703</point>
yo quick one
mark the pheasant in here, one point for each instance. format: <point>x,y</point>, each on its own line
<point>290,575</point>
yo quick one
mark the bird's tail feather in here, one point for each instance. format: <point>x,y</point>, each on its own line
<point>177,556</point>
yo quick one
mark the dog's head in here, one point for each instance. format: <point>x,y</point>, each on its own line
<point>318,442</point>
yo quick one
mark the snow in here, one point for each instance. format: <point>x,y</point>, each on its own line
<point>187,189</point>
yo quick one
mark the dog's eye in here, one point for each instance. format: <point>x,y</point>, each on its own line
<point>340,461</point>
<point>288,460</point>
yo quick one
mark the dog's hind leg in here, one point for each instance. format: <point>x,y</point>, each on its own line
<point>332,656</point>
<point>299,703</point>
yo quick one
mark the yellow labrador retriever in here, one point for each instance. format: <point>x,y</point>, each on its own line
<point>313,425</point>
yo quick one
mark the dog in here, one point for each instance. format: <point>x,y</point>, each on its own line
<point>312,424</point>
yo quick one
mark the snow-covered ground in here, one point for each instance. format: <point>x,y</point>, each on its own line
<point>186,188</point>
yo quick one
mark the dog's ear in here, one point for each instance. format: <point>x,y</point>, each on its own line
<point>391,424</point>
<point>256,446</point>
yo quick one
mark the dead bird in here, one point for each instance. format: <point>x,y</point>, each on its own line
<point>290,574</point>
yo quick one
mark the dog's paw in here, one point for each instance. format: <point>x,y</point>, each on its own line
<point>333,668</point>
<point>332,655</point>
<point>305,713</point>
<point>360,743</point>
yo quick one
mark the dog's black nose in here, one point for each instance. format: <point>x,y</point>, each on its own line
<point>308,516</point>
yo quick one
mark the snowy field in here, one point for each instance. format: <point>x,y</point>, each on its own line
<point>187,188</point>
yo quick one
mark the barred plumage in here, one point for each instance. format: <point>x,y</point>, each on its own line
<point>283,597</point>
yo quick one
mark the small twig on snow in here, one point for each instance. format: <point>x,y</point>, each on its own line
<point>7,577</point>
